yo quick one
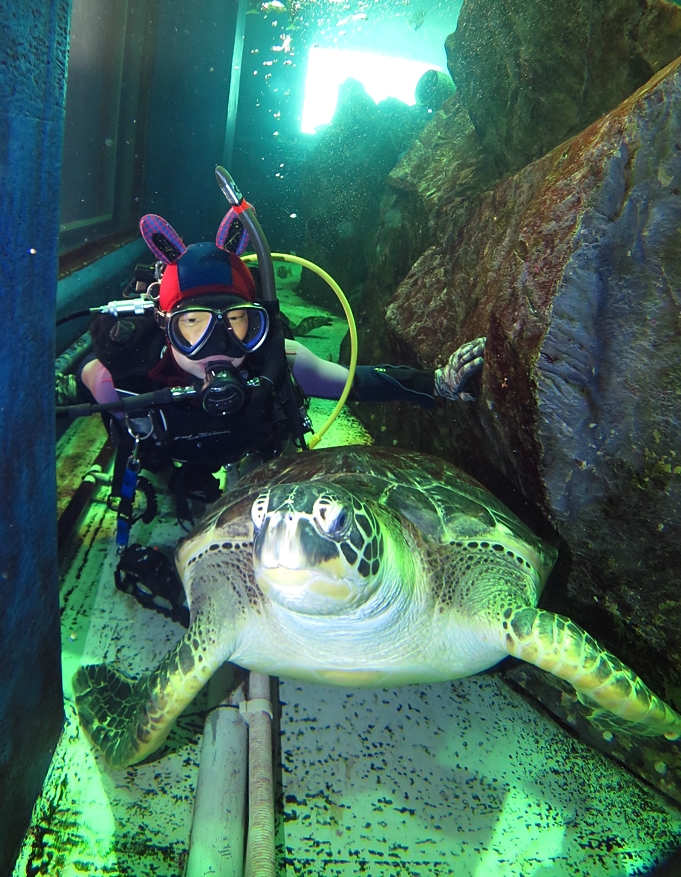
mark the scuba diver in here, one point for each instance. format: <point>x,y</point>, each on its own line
<point>211,332</point>
<point>220,339</point>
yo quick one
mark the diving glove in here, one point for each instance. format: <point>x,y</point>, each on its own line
<point>462,365</point>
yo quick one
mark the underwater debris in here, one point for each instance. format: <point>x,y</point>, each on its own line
<point>416,19</point>
<point>273,6</point>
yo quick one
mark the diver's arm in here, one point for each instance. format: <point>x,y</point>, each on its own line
<point>387,383</point>
<point>316,377</point>
<point>384,383</point>
<point>97,378</point>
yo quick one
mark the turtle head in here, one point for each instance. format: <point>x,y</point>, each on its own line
<point>317,549</point>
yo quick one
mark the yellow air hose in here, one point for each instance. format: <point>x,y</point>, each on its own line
<point>296,260</point>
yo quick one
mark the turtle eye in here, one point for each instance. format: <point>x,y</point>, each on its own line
<point>332,517</point>
<point>258,511</point>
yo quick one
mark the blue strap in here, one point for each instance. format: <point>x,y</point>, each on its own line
<point>126,501</point>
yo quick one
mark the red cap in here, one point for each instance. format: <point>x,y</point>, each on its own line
<point>201,270</point>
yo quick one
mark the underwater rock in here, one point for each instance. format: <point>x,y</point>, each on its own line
<point>430,193</point>
<point>524,87</point>
<point>342,182</point>
<point>572,268</point>
<point>532,74</point>
<point>445,167</point>
<point>397,245</point>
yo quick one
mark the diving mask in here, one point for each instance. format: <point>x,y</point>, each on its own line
<point>202,330</point>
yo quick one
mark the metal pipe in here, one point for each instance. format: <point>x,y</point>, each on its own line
<point>73,354</point>
<point>260,856</point>
<point>235,81</point>
<point>219,823</point>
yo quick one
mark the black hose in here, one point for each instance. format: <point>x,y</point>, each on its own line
<point>84,313</point>
<point>139,403</point>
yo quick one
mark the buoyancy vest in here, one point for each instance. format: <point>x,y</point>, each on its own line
<point>134,351</point>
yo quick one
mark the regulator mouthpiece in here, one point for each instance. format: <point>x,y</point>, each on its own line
<point>223,392</point>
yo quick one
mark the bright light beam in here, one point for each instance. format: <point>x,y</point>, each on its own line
<point>381,76</point>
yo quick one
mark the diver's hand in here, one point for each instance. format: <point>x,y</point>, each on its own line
<point>463,364</point>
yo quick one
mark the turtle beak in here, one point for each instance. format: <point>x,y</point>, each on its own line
<point>301,587</point>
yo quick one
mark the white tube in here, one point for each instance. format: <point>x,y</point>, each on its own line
<point>260,858</point>
<point>218,827</point>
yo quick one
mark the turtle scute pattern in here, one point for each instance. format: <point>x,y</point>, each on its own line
<point>226,563</point>
<point>480,578</point>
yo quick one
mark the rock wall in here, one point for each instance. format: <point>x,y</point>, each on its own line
<point>572,268</point>
<point>532,74</point>
<point>529,76</point>
<point>429,195</point>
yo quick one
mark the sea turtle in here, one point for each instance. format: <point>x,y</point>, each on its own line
<point>360,566</point>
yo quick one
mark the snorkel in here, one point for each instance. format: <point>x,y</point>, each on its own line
<point>272,363</point>
<point>247,217</point>
<point>269,291</point>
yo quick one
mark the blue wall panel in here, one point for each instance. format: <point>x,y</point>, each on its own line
<point>33,53</point>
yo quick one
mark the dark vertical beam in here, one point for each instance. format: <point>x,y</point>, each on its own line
<point>33,57</point>
<point>187,114</point>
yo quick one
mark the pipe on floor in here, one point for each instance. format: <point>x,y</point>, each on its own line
<point>219,823</point>
<point>73,354</point>
<point>260,856</point>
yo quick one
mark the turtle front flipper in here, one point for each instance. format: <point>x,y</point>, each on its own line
<point>558,645</point>
<point>128,719</point>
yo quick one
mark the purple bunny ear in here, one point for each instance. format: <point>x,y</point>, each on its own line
<point>161,238</point>
<point>222,238</point>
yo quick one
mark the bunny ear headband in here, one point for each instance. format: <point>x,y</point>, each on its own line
<point>165,243</point>
<point>161,238</point>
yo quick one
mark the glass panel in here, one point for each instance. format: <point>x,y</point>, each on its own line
<point>104,97</point>
<point>92,105</point>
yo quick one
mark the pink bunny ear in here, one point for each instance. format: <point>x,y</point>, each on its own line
<point>161,238</point>
<point>226,239</point>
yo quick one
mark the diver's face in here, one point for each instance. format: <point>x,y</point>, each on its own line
<point>191,327</point>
